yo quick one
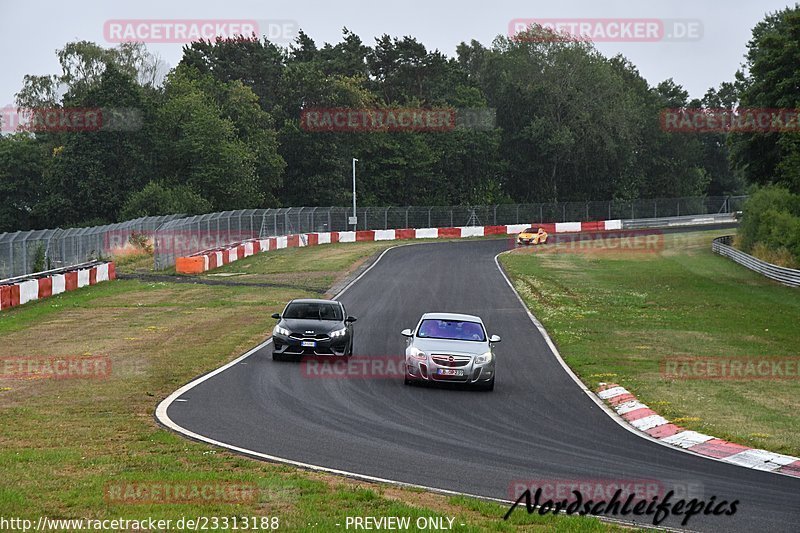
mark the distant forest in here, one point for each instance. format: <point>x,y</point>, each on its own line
<point>222,130</point>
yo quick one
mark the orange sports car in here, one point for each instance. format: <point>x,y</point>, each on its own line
<point>532,236</point>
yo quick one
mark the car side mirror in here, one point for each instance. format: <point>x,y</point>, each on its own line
<point>276,316</point>
<point>494,338</point>
<point>350,319</point>
<point>406,333</point>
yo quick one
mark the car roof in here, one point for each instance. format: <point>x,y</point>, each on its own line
<point>313,301</point>
<point>452,316</point>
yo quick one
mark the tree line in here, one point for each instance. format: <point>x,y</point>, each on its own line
<point>222,129</point>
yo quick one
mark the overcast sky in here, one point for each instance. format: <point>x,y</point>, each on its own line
<point>32,30</point>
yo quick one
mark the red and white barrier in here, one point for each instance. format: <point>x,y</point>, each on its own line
<point>211,259</point>
<point>42,286</point>
<point>648,421</point>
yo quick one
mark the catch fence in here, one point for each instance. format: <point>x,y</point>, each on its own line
<point>173,236</point>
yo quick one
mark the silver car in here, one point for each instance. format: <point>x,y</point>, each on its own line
<point>452,348</point>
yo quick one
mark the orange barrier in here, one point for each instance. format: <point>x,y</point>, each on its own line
<point>190,265</point>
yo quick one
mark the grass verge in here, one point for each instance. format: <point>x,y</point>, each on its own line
<point>617,316</point>
<point>66,444</point>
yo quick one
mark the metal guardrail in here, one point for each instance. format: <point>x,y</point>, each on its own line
<point>46,273</point>
<point>787,276</point>
<point>668,222</point>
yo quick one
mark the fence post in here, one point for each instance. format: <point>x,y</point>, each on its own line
<point>655,209</point>
<point>429,216</point>
<point>407,208</point>
<point>385,218</point>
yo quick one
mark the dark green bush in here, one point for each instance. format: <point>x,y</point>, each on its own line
<point>771,220</point>
<point>158,199</point>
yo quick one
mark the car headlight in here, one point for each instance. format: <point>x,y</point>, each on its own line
<point>281,331</point>
<point>338,333</point>
<point>483,359</point>
<point>417,354</point>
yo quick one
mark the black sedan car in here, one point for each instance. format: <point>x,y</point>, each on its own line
<point>312,327</point>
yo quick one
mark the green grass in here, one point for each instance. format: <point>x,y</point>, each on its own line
<point>62,442</point>
<point>616,316</point>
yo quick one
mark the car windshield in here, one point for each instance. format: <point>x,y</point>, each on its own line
<point>530,230</point>
<point>313,310</point>
<point>457,330</point>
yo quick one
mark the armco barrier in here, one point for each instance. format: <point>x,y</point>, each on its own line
<point>787,276</point>
<point>19,291</point>
<point>669,222</point>
<point>210,259</point>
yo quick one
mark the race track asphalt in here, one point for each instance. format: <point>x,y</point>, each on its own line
<point>537,424</point>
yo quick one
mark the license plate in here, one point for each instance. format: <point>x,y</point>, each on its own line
<point>450,372</point>
<point>308,344</point>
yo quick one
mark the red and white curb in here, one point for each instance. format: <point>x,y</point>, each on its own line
<point>648,421</point>
<point>44,285</point>
<point>210,259</point>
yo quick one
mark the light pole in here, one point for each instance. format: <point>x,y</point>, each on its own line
<point>354,218</point>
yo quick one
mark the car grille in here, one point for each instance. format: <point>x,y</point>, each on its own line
<point>310,337</point>
<point>444,360</point>
<point>309,351</point>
